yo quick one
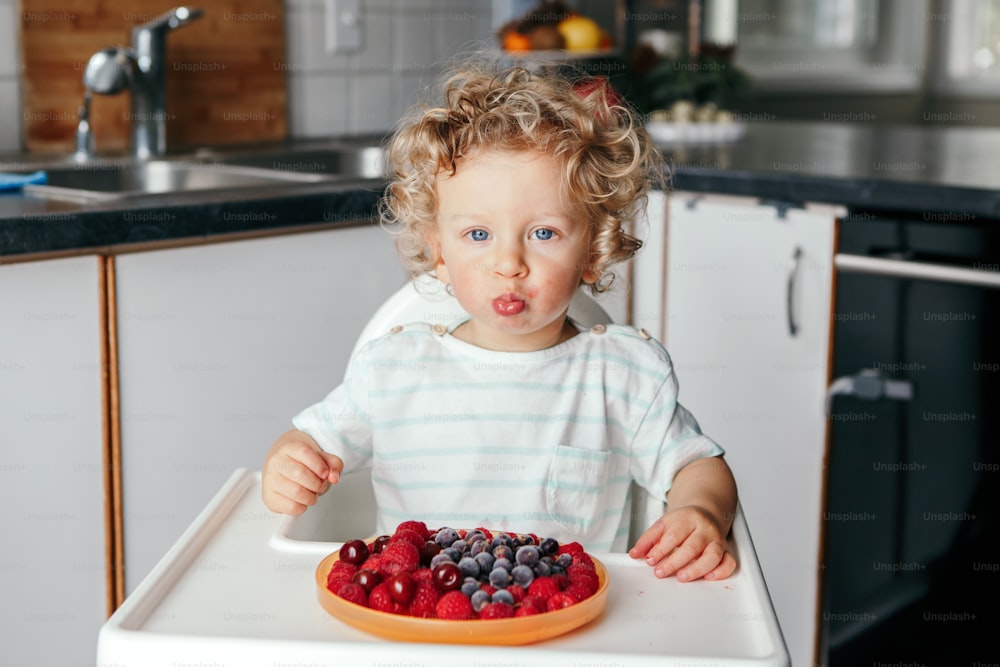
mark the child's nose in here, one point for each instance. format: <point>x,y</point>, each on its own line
<point>510,261</point>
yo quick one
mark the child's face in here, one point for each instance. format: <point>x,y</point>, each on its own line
<point>512,253</point>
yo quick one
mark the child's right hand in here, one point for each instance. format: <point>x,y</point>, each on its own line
<point>296,473</point>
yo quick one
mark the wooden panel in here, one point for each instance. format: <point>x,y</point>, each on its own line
<point>225,72</point>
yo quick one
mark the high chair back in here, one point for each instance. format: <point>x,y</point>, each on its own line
<point>424,299</point>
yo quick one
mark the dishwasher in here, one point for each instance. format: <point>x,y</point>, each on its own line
<point>909,569</point>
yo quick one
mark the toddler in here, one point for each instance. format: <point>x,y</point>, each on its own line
<point>515,192</point>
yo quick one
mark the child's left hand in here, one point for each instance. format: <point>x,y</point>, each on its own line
<point>687,541</point>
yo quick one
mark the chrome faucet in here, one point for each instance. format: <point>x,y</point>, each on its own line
<point>142,69</point>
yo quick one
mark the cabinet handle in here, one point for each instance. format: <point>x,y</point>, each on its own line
<point>793,274</point>
<point>897,268</point>
<point>869,385</point>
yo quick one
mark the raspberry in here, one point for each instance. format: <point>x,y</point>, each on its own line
<point>486,532</point>
<point>530,606</point>
<point>354,593</point>
<point>408,535</point>
<point>583,558</point>
<point>579,591</point>
<point>454,606</point>
<point>517,592</point>
<point>341,573</point>
<point>496,610</point>
<point>561,580</point>
<point>380,600</point>
<point>570,548</point>
<point>423,575</point>
<point>583,577</point>
<point>374,563</point>
<point>399,557</point>
<point>488,588</point>
<point>543,588</point>
<point>419,527</point>
<point>424,602</point>
<point>559,601</point>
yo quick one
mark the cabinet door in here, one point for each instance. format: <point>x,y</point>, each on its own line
<point>754,386</point>
<point>219,347</point>
<point>53,560</point>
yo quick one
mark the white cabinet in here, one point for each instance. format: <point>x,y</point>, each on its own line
<point>719,285</point>
<point>219,347</point>
<point>53,568</point>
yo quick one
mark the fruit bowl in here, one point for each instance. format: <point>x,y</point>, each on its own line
<point>507,631</point>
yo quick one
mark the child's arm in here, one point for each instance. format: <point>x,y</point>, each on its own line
<point>296,472</point>
<point>690,538</point>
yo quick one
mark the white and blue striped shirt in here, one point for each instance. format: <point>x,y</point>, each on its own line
<point>544,442</point>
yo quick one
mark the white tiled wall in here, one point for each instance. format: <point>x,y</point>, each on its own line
<point>404,44</point>
<point>10,94</point>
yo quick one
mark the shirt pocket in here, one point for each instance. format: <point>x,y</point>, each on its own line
<point>575,485</point>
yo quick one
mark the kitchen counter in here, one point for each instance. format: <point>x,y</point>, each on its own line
<point>233,592</point>
<point>938,174</point>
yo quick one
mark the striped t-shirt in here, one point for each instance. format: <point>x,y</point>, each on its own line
<point>544,442</point>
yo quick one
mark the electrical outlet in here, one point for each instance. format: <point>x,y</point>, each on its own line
<point>343,26</point>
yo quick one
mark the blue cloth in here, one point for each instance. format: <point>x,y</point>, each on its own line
<point>18,181</point>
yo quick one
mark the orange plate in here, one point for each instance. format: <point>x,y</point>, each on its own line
<point>505,631</point>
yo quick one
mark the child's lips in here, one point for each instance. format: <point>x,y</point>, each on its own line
<point>508,304</point>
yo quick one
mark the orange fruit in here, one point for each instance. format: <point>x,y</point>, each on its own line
<point>515,41</point>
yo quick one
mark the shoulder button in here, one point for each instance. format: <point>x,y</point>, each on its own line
<point>598,328</point>
<point>644,334</point>
<point>439,329</point>
<point>396,329</point>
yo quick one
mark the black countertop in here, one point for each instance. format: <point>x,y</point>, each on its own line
<point>946,174</point>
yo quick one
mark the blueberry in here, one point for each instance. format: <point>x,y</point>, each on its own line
<point>478,547</point>
<point>542,568</point>
<point>555,569</point>
<point>499,577</point>
<point>564,560</point>
<point>502,539</point>
<point>527,555</point>
<point>454,554</point>
<point>504,596</point>
<point>479,600</point>
<point>469,586</point>
<point>469,567</point>
<point>440,558</point>
<point>504,563</point>
<point>474,536</point>
<point>459,544</point>
<point>549,546</point>
<point>503,552</point>
<point>522,575</point>
<point>446,536</point>
<point>485,560</point>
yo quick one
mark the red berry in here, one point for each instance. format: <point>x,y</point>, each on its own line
<point>429,549</point>
<point>355,593</point>
<point>454,606</point>
<point>368,579</point>
<point>379,544</point>
<point>561,580</point>
<point>381,600</point>
<point>447,577</point>
<point>354,552</point>
<point>419,527</point>
<point>543,588</point>
<point>410,536</point>
<point>571,548</point>
<point>399,557</point>
<point>424,602</point>
<point>579,591</point>
<point>560,601</point>
<point>517,592</point>
<point>422,576</point>
<point>496,610</point>
<point>401,587</point>
<point>530,606</point>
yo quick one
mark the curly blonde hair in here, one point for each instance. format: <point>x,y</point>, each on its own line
<point>609,161</point>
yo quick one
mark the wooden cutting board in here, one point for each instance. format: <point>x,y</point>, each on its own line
<point>225,72</point>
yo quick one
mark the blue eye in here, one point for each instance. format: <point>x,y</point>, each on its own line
<point>479,235</point>
<point>543,234</point>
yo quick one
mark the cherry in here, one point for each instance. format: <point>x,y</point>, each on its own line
<point>354,552</point>
<point>367,578</point>
<point>380,543</point>
<point>401,587</point>
<point>428,551</point>
<point>447,577</point>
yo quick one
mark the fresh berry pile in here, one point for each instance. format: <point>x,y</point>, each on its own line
<point>462,575</point>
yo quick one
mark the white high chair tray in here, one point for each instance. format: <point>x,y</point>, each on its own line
<point>224,595</point>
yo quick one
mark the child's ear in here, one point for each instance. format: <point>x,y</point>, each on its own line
<point>434,252</point>
<point>589,276</point>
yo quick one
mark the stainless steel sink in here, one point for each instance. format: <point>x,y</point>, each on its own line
<point>116,180</point>
<point>340,161</point>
